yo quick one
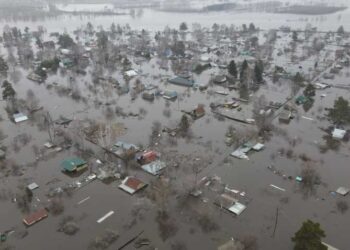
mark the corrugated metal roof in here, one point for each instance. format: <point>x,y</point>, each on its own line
<point>35,217</point>
<point>72,164</point>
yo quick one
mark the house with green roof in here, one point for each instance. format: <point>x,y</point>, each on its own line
<point>73,165</point>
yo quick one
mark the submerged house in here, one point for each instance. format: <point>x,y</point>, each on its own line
<point>181,81</point>
<point>219,79</point>
<point>35,77</point>
<point>338,133</point>
<point>285,116</point>
<point>197,112</point>
<point>147,157</point>
<point>242,151</point>
<point>73,165</point>
<point>148,96</point>
<point>131,185</point>
<point>230,204</point>
<point>19,117</point>
<point>66,63</point>
<point>231,245</point>
<point>130,73</point>
<point>301,100</point>
<point>154,167</point>
<point>120,149</point>
<point>35,217</point>
<point>170,95</point>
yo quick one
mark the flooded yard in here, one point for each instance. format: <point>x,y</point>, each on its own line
<point>91,112</point>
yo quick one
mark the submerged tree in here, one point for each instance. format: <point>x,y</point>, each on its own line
<point>295,36</point>
<point>3,65</point>
<point>243,75</point>
<point>183,26</point>
<point>65,41</point>
<point>232,69</point>
<point>309,237</point>
<point>184,125</point>
<point>341,30</point>
<point>261,117</point>
<point>340,113</point>
<point>310,90</point>
<point>297,82</point>
<point>252,27</point>
<point>258,71</point>
<point>8,92</point>
<point>102,39</point>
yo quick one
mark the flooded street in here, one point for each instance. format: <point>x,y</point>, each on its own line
<point>84,108</point>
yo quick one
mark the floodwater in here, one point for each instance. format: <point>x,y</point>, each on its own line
<point>173,20</point>
<point>133,214</point>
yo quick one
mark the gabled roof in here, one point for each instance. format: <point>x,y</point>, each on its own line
<point>154,167</point>
<point>237,208</point>
<point>181,81</point>
<point>148,157</point>
<point>35,217</point>
<point>131,185</point>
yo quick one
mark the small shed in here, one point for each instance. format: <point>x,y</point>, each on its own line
<point>32,186</point>
<point>285,116</point>
<point>343,191</point>
<point>338,133</point>
<point>237,208</point>
<point>131,73</point>
<point>19,117</point>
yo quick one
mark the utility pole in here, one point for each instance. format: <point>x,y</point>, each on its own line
<point>276,221</point>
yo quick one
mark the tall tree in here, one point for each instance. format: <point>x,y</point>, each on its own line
<point>65,41</point>
<point>8,92</point>
<point>232,69</point>
<point>183,26</point>
<point>102,39</point>
<point>341,30</point>
<point>310,90</point>
<point>243,76</point>
<point>184,125</point>
<point>309,237</point>
<point>340,113</point>
<point>295,36</point>
<point>252,27</point>
<point>3,65</point>
<point>258,72</point>
<point>254,41</point>
<point>298,78</point>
